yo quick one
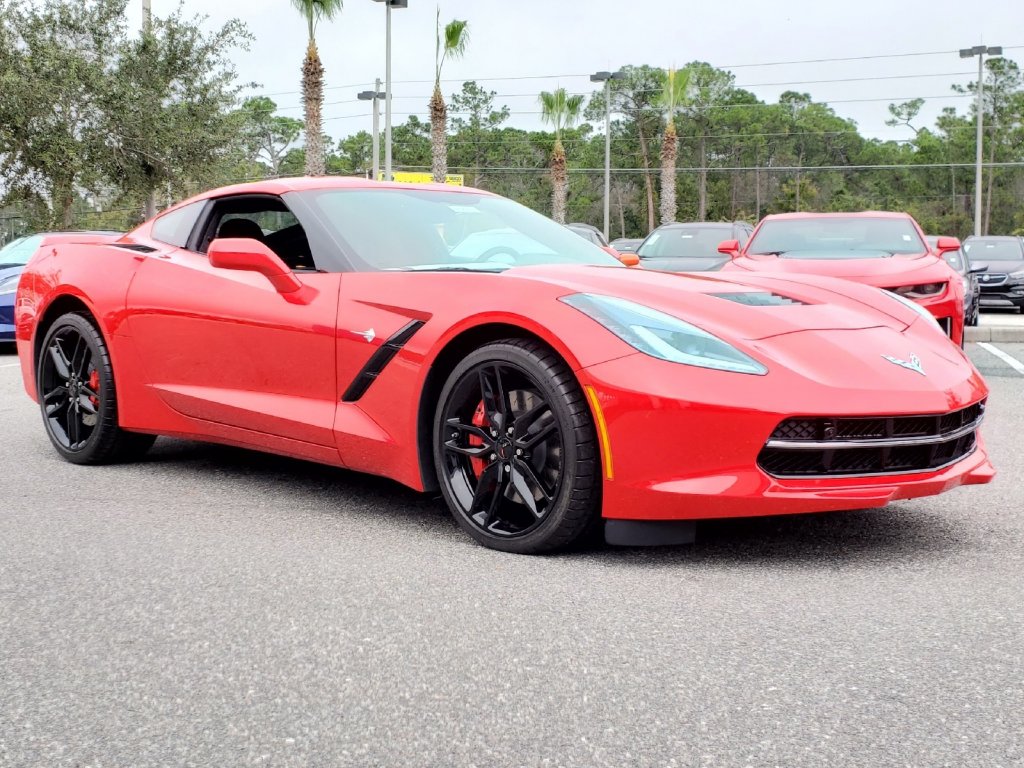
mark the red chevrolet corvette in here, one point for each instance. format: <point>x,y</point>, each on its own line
<point>886,250</point>
<point>453,340</point>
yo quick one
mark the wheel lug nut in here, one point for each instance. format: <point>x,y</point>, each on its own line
<point>494,456</point>
<point>519,451</point>
<point>510,430</point>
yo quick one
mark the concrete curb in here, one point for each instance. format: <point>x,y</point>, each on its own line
<point>1008,334</point>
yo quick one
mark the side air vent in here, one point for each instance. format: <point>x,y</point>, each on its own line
<point>379,359</point>
<point>758,298</point>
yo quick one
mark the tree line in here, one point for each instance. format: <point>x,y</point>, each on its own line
<point>95,117</point>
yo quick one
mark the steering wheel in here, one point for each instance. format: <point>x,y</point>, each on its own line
<point>499,250</point>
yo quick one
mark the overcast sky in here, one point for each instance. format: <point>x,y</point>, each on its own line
<point>560,43</point>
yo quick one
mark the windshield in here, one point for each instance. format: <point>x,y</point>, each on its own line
<point>836,237</point>
<point>411,229</point>
<point>17,252</point>
<point>684,243</point>
<point>995,250</point>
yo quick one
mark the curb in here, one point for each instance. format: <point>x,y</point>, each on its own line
<point>1008,334</point>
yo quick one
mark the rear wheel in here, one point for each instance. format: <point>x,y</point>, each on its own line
<point>515,449</point>
<point>77,397</point>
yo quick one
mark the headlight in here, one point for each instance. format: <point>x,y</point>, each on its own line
<point>9,285</point>
<point>1015,277</point>
<point>659,335</point>
<point>928,316</point>
<point>922,291</point>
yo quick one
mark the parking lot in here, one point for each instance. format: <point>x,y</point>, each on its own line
<point>215,607</point>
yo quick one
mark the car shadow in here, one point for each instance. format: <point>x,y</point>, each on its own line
<point>901,532</point>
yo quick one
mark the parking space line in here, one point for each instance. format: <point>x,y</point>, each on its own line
<point>10,365</point>
<point>1007,358</point>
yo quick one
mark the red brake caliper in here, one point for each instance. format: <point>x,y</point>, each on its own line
<point>94,385</point>
<point>479,420</point>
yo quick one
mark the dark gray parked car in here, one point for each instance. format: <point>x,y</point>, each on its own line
<point>961,262</point>
<point>1002,282</point>
<point>690,246</point>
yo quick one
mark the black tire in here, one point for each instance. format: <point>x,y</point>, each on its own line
<point>544,451</point>
<point>78,398</point>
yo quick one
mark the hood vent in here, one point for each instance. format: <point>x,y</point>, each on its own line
<point>758,298</point>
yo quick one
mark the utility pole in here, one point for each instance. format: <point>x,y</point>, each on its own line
<point>147,26</point>
<point>606,78</point>
<point>966,53</point>
<point>388,5</point>
<point>375,96</point>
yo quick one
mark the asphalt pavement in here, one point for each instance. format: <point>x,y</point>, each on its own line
<point>215,607</point>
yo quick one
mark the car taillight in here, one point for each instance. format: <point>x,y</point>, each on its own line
<point>922,291</point>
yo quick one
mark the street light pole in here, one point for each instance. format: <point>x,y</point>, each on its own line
<point>375,96</point>
<point>606,78</point>
<point>147,24</point>
<point>966,53</point>
<point>388,5</point>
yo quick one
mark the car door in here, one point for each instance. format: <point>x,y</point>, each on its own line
<point>223,345</point>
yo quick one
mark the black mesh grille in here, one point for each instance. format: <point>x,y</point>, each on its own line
<point>941,445</point>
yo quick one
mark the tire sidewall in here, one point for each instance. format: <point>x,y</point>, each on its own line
<point>513,356</point>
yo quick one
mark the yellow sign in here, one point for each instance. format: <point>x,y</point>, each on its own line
<point>417,177</point>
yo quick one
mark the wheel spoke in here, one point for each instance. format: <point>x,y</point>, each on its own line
<point>530,441</point>
<point>470,429</point>
<point>61,364</point>
<point>78,356</point>
<point>473,451</point>
<point>526,420</point>
<point>85,405</point>
<point>496,399</point>
<point>526,482</point>
<point>90,392</point>
<point>54,393</point>
<point>489,490</point>
<point>74,424</point>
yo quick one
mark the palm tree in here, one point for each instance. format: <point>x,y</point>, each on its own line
<point>561,111</point>
<point>313,81</point>
<point>674,87</point>
<point>456,36</point>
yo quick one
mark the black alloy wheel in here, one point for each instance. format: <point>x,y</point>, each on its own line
<point>77,398</point>
<point>515,449</point>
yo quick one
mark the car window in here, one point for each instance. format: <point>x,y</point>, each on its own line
<point>391,228</point>
<point>266,219</point>
<point>684,243</point>
<point>837,237</point>
<point>17,252</point>
<point>995,250</point>
<point>175,226</point>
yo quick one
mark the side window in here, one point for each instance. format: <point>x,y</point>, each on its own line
<point>175,226</point>
<point>262,218</point>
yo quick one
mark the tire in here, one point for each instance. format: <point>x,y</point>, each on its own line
<point>513,426</point>
<point>78,398</point>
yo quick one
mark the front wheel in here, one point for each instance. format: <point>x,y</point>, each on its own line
<point>515,449</point>
<point>75,382</point>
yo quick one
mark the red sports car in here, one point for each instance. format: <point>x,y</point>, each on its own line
<point>886,250</point>
<point>454,340</point>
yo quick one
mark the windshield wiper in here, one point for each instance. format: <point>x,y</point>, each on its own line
<point>453,268</point>
<point>771,253</point>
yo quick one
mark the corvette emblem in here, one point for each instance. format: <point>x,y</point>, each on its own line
<point>368,334</point>
<point>914,364</point>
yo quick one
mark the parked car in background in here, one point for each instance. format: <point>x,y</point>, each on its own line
<point>961,264</point>
<point>690,246</point>
<point>886,250</point>
<point>626,244</point>
<point>594,235</point>
<point>1002,281</point>
<point>13,258</point>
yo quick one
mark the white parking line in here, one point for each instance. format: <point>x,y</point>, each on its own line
<point>10,365</point>
<point>1009,359</point>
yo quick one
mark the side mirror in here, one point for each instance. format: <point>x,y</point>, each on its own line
<point>944,244</point>
<point>249,255</point>
<point>629,259</point>
<point>978,269</point>
<point>730,248</point>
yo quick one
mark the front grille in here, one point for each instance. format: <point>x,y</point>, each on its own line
<point>992,279</point>
<point>831,447</point>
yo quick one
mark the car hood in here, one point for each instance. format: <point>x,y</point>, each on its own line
<point>728,305</point>
<point>879,272</point>
<point>685,264</point>
<point>1001,267</point>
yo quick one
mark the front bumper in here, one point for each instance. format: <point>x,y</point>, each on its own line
<point>948,310</point>
<point>684,441</point>
<point>1002,297</point>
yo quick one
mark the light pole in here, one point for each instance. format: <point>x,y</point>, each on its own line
<point>388,5</point>
<point>147,25</point>
<point>606,78</point>
<point>375,96</point>
<point>966,53</point>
